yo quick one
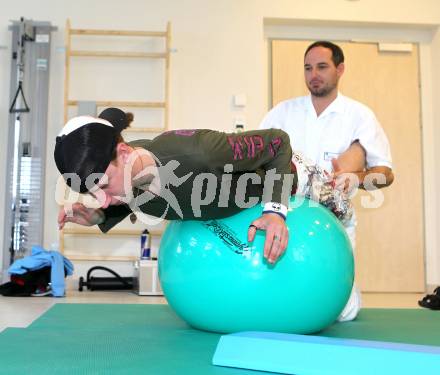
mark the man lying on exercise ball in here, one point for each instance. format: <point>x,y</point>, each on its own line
<point>180,175</point>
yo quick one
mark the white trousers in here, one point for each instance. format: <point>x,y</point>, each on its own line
<point>315,183</point>
<point>354,304</point>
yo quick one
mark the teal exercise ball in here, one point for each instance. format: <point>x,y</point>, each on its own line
<point>216,281</point>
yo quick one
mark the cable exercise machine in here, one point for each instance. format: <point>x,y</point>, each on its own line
<point>26,143</point>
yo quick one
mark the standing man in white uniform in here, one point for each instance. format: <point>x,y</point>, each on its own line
<point>335,132</point>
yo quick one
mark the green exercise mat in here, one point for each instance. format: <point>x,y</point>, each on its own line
<point>151,339</point>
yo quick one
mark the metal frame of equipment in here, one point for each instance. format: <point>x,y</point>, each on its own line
<point>27,124</point>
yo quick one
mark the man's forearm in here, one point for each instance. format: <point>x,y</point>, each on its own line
<point>113,215</point>
<point>375,178</point>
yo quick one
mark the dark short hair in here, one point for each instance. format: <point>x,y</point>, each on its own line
<point>89,149</point>
<point>337,54</point>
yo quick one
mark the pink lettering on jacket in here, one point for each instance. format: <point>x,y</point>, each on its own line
<point>182,132</point>
<point>237,147</point>
<point>275,145</point>
<point>247,146</point>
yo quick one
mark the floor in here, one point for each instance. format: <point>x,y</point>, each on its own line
<point>20,312</point>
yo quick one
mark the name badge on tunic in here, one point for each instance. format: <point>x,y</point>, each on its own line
<point>328,156</point>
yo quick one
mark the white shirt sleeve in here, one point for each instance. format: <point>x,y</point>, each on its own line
<point>275,118</point>
<point>374,140</point>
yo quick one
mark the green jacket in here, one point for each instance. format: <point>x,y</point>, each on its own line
<point>191,160</point>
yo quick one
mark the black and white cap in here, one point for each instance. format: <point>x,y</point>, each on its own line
<point>86,145</point>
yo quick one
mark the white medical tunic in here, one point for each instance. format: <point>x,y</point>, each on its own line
<point>323,138</point>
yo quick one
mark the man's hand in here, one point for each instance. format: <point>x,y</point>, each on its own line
<point>343,180</point>
<point>277,235</point>
<point>80,214</point>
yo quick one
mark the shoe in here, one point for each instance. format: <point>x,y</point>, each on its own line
<point>42,291</point>
<point>431,301</point>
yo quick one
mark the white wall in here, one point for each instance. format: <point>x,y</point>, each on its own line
<point>221,51</point>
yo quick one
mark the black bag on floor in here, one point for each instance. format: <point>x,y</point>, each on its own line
<point>26,284</point>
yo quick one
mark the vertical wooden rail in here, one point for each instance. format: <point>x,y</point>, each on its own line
<point>67,71</point>
<point>66,105</point>
<point>167,74</point>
